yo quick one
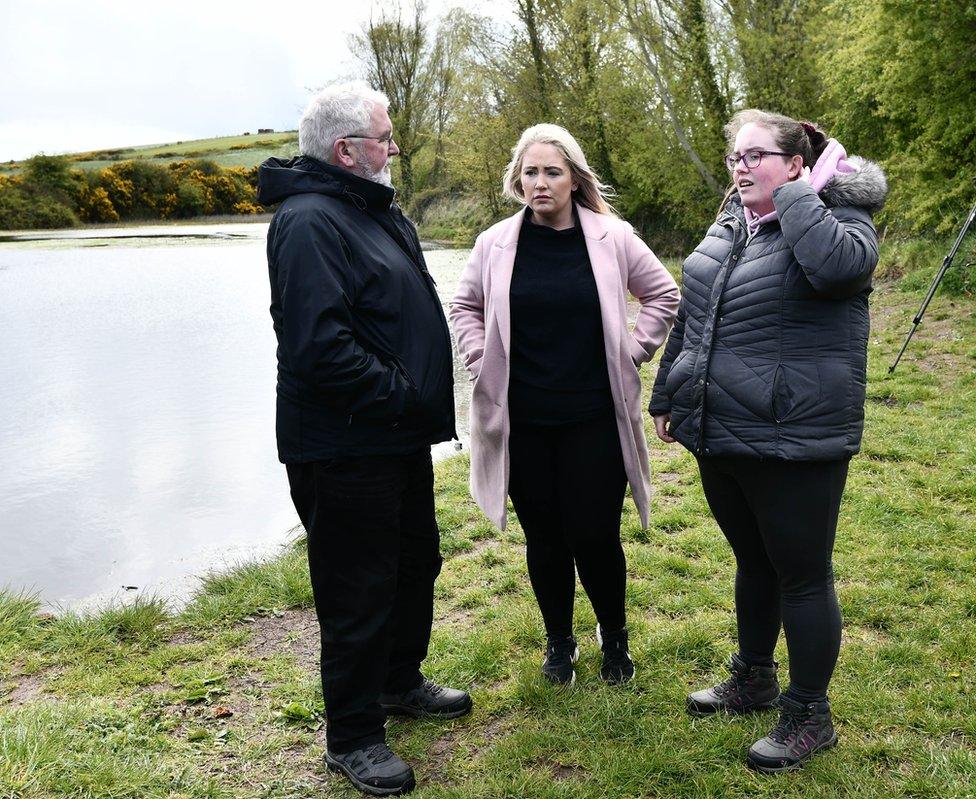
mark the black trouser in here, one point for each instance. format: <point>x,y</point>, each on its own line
<point>781,518</point>
<point>373,554</point>
<point>567,484</point>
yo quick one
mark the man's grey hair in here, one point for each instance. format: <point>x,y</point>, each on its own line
<point>342,109</point>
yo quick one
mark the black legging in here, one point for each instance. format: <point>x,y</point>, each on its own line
<point>567,484</point>
<point>781,518</point>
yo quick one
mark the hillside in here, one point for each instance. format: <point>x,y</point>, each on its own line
<point>226,151</point>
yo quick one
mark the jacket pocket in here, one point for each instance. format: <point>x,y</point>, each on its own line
<point>796,391</point>
<point>474,370</point>
<point>379,414</point>
<point>480,393</point>
<point>780,400</point>
<point>679,373</point>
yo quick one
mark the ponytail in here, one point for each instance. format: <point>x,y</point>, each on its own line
<point>818,141</point>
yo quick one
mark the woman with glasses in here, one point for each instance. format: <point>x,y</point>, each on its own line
<point>540,318</point>
<point>763,379</point>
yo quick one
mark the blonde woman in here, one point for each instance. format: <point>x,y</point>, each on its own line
<point>540,318</point>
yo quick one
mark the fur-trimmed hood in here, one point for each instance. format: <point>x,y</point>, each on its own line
<point>840,180</point>
<point>866,187</point>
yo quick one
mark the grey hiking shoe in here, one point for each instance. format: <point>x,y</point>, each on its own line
<point>749,688</point>
<point>617,666</point>
<point>374,770</point>
<point>561,654</point>
<point>802,731</point>
<point>428,700</point>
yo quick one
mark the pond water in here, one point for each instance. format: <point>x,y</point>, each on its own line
<point>137,393</point>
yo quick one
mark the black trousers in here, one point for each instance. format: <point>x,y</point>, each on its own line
<point>780,518</point>
<point>567,484</point>
<point>373,555</point>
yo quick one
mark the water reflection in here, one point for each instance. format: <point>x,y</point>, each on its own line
<point>137,395</point>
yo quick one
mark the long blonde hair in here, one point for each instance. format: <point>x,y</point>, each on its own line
<point>590,191</point>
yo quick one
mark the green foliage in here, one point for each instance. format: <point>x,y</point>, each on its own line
<point>644,85</point>
<point>46,195</point>
<point>262,586</point>
<point>915,262</point>
<point>52,176</point>
<point>50,193</point>
<point>779,64</point>
<point>960,280</point>
<point>22,208</point>
<point>446,217</point>
<point>190,199</point>
<point>901,83</point>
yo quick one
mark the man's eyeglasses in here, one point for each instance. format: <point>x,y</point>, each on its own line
<point>752,159</point>
<point>387,139</point>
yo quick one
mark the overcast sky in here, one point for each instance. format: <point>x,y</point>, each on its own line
<point>97,74</point>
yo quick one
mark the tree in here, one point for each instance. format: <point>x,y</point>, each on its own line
<point>398,62</point>
<point>779,67</point>
<point>581,36</point>
<point>450,43</point>
<point>656,51</point>
<point>901,91</point>
<point>52,176</point>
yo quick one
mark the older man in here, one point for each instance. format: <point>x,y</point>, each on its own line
<point>365,386</point>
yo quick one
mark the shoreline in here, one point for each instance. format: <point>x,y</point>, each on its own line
<point>89,230</point>
<point>177,593</point>
<point>223,699</point>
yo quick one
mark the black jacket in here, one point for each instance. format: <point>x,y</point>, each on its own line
<point>768,354</point>
<point>364,353</point>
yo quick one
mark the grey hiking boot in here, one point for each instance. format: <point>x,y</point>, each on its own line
<point>802,731</point>
<point>617,666</point>
<point>374,770</point>
<point>749,688</point>
<point>428,700</point>
<point>561,654</point>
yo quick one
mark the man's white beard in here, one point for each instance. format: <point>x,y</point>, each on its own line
<point>383,176</point>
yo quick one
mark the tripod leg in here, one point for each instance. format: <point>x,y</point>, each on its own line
<point>946,263</point>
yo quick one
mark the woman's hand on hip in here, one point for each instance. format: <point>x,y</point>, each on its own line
<point>661,423</point>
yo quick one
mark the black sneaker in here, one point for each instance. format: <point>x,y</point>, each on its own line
<point>803,730</point>
<point>749,688</point>
<point>561,654</point>
<point>617,666</point>
<point>427,700</point>
<point>374,770</point>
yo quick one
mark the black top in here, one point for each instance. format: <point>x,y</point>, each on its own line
<point>364,352</point>
<point>558,361</point>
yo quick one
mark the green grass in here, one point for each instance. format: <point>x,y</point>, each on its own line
<point>133,702</point>
<point>226,151</point>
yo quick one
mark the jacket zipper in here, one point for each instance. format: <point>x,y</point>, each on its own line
<point>736,250</point>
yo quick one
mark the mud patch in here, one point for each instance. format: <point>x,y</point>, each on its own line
<point>23,690</point>
<point>864,636</point>
<point>456,617</point>
<point>561,771</point>
<point>439,753</point>
<point>294,632</point>
<point>958,739</point>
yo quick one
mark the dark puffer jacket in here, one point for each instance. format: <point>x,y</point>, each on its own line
<point>768,355</point>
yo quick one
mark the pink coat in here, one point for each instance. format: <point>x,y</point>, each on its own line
<point>480,316</point>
